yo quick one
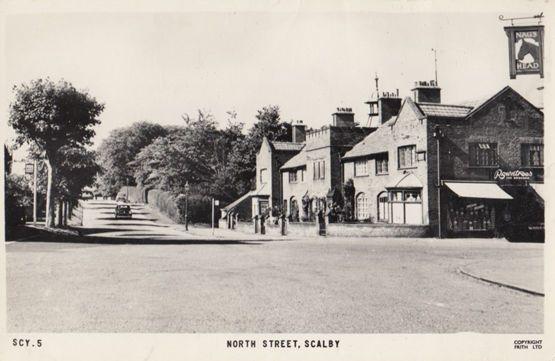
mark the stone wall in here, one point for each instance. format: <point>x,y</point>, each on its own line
<point>376,230</point>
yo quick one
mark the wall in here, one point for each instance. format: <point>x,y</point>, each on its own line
<point>376,230</point>
<point>491,125</point>
<point>297,190</point>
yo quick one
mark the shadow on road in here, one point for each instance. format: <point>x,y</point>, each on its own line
<point>39,235</point>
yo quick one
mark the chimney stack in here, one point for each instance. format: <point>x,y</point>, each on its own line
<point>344,117</point>
<point>298,130</point>
<point>426,92</point>
<point>384,107</point>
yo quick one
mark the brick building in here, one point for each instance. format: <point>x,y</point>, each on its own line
<point>490,172</point>
<point>313,177</point>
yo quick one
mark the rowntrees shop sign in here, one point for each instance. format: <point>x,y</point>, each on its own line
<point>525,50</point>
<point>518,174</point>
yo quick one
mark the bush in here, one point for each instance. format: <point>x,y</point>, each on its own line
<point>199,209</point>
<point>165,203</point>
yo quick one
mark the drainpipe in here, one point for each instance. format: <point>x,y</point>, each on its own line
<point>438,134</point>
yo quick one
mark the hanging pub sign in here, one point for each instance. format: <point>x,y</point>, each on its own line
<point>525,50</point>
<point>517,174</point>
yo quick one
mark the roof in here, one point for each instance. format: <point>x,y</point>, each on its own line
<point>286,146</point>
<point>408,180</point>
<point>369,145</point>
<point>238,201</point>
<point>297,161</point>
<point>444,110</point>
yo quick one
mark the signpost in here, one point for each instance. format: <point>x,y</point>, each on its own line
<point>31,169</point>
<point>525,46</point>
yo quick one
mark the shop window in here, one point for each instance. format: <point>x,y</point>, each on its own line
<point>383,207</point>
<point>483,154</point>
<point>467,216</point>
<point>362,209</point>
<point>407,156</point>
<point>361,168</point>
<point>406,206</point>
<point>293,177</point>
<point>382,164</point>
<point>532,155</point>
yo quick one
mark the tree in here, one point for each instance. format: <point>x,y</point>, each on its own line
<point>243,156</point>
<point>78,170</point>
<point>116,153</point>
<point>52,116</point>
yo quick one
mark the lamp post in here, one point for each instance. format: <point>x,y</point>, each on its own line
<point>438,134</point>
<point>187,205</point>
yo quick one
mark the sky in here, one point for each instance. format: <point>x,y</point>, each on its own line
<point>158,66</point>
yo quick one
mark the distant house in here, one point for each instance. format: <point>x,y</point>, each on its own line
<point>270,157</point>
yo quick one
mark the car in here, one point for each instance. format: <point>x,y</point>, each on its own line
<point>123,211</point>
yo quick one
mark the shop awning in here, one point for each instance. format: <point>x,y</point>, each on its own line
<point>539,188</point>
<point>478,190</point>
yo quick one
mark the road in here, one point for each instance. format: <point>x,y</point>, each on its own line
<point>179,283</point>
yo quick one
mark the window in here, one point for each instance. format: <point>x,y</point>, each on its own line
<point>383,207</point>
<point>361,168</point>
<point>301,171</point>
<point>483,154</point>
<point>382,164</point>
<point>405,206</point>
<point>319,169</point>
<point>263,175</point>
<point>407,156</point>
<point>362,209</point>
<point>293,176</point>
<point>532,155</point>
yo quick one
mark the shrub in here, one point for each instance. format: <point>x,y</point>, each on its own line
<point>199,209</point>
<point>165,203</point>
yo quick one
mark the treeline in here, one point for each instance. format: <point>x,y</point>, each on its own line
<point>212,161</point>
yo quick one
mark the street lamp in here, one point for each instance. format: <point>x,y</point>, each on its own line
<point>438,134</point>
<point>187,205</point>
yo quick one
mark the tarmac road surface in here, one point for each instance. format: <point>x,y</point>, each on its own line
<point>319,285</point>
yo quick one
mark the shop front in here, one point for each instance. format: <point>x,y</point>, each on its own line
<point>475,209</point>
<point>510,209</point>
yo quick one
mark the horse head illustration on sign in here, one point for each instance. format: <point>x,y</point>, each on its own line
<point>528,52</point>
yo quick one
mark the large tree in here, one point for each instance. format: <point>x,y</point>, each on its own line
<point>53,115</point>
<point>119,149</point>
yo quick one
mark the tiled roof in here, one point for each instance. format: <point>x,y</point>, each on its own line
<point>297,161</point>
<point>287,146</point>
<point>444,110</point>
<point>372,144</point>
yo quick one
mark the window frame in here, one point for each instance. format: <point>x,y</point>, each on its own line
<point>382,157</point>
<point>293,176</point>
<point>366,170</point>
<point>402,148</point>
<point>475,159</point>
<point>262,172</point>
<point>525,153</point>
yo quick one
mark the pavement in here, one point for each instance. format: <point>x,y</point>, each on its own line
<point>148,275</point>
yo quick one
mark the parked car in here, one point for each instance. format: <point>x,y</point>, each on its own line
<point>123,211</point>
